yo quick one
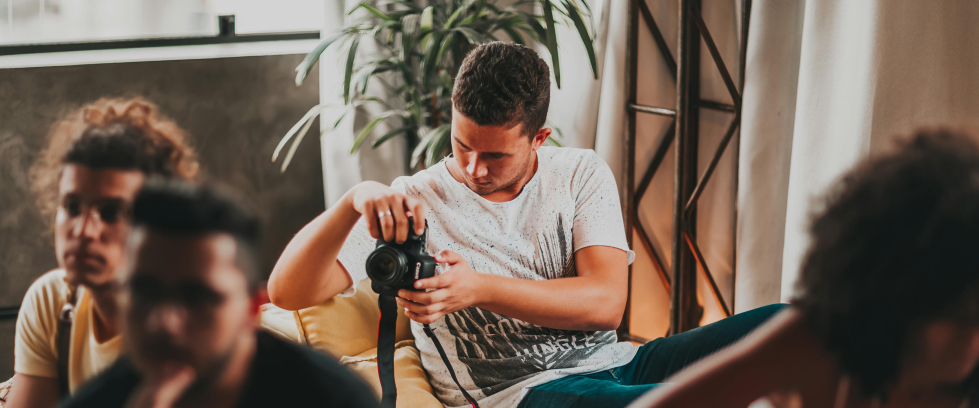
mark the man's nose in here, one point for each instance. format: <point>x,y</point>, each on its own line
<point>169,317</point>
<point>476,167</point>
<point>90,226</point>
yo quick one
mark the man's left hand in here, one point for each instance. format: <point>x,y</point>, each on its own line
<point>455,289</point>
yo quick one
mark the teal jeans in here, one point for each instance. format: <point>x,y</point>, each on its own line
<point>653,363</point>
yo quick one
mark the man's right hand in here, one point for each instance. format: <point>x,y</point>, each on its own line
<point>386,211</point>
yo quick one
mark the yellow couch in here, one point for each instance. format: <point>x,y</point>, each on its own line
<point>346,328</point>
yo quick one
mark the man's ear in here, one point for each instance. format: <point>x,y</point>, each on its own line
<point>541,137</point>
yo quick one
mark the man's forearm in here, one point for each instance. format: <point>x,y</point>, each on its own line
<point>577,303</point>
<point>308,273</point>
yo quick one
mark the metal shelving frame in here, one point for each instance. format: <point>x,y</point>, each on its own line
<point>685,312</point>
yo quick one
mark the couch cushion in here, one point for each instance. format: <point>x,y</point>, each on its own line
<point>413,388</point>
<point>346,326</point>
<point>279,322</point>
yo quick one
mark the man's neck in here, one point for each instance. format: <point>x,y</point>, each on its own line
<point>227,389</point>
<point>104,310</point>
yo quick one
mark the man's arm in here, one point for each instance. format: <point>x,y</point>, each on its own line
<point>308,272</point>
<point>31,391</point>
<point>593,300</point>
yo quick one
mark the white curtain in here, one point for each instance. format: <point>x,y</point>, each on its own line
<point>828,83</point>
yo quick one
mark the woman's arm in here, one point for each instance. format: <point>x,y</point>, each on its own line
<point>781,355</point>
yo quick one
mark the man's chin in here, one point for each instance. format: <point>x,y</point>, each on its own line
<point>87,276</point>
<point>482,189</point>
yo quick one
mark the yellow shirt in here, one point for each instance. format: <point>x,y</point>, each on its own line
<point>35,347</point>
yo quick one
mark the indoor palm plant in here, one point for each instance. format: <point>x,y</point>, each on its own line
<point>421,48</point>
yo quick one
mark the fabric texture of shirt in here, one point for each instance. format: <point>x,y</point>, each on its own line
<point>570,203</point>
<point>35,344</point>
<point>281,374</point>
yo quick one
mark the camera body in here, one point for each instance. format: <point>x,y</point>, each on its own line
<point>393,266</point>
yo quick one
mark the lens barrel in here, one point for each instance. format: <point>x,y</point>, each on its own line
<point>386,265</point>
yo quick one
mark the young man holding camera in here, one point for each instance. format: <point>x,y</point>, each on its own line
<point>535,248</point>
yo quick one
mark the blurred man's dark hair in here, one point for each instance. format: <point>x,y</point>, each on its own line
<point>895,247</point>
<point>173,207</point>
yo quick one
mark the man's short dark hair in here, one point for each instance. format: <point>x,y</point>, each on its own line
<point>171,206</point>
<point>893,249</point>
<point>503,84</point>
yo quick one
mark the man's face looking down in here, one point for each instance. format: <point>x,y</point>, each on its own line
<point>186,303</point>
<point>493,158</point>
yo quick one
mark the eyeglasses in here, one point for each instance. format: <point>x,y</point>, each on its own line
<point>107,211</point>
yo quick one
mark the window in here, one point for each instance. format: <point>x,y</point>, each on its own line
<point>60,21</point>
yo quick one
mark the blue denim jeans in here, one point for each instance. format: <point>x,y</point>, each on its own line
<point>653,363</point>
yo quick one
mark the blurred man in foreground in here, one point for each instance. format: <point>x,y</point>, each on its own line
<point>190,313</point>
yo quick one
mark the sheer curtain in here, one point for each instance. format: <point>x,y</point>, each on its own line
<point>828,83</point>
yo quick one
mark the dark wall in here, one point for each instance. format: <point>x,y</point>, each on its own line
<point>235,110</point>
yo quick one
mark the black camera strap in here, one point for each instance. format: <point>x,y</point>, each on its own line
<point>385,349</point>
<point>438,346</point>
<point>385,353</point>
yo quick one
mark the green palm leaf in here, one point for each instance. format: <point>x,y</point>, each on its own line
<point>552,40</point>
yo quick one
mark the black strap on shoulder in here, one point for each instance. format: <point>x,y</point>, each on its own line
<point>64,341</point>
<point>448,365</point>
<point>385,349</point>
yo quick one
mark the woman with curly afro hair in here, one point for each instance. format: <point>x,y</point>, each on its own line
<point>886,311</point>
<point>95,161</point>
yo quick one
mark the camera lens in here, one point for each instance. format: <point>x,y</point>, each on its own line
<point>386,265</point>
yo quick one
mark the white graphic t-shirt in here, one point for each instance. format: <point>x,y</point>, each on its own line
<point>570,203</point>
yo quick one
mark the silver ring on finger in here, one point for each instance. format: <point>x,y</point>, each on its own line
<point>383,214</point>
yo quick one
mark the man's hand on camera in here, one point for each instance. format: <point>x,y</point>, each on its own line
<point>387,211</point>
<point>453,290</point>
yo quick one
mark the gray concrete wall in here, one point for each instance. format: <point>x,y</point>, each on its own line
<point>235,110</point>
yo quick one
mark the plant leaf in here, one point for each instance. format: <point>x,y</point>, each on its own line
<point>295,128</point>
<point>426,23</point>
<point>373,11</point>
<point>422,147</point>
<point>349,69</point>
<point>412,7</point>
<point>409,29</point>
<point>585,37</point>
<point>295,144</point>
<point>387,136</point>
<point>514,35</point>
<point>473,17</point>
<point>531,21</point>
<point>472,36</point>
<point>303,69</point>
<point>445,47</point>
<point>451,21</point>
<point>552,40</point>
<point>366,131</point>
<point>432,56</point>
<point>438,144</point>
<point>555,141</point>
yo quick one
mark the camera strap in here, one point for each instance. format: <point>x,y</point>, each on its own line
<point>385,353</point>
<point>385,349</point>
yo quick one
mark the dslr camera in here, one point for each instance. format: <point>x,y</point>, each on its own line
<point>393,266</point>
